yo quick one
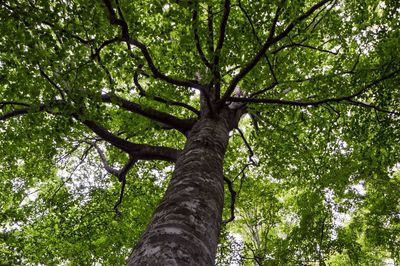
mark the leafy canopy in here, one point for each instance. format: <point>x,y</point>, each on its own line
<point>315,179</point>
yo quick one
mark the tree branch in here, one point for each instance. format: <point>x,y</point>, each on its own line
<point>348,98</point>
<point>217,53</point>
<point>103,159</point>
<point>43,74</point>
<point>258,39</point>
<point>251,153</point>
<point>305,46</point>
<point>130,40</point>
<point>142,92</point>
<point>233,199</point>
<point>21,111</point>
<point>4,103</point>
<point>270,41</point>
<point>210,26</point>
<point>120,174</point>
<point>96,54</point>
<point>197,38</point>
<point>138,151</point>
<point>182,125</point>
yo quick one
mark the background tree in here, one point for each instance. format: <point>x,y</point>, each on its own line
<point>110,109</point>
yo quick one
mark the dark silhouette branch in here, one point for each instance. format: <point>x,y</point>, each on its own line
<point>22,111</point>
<point>270,41</point>
<point>74,36</point>
<point>121,197</point>
<point>270,87</point>
<point>182,125</point>
<point>377,108</point>
<point>96,54</point>
<point>4,103</point>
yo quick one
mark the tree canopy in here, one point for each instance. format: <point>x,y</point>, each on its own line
<point>311,170</point>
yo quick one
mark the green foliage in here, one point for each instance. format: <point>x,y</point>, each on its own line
<point>321,187</point>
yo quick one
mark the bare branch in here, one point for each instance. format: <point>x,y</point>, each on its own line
<point>139,151</point>
<point>270,87</point>
<point>367,105</point>
<point>74,36</point>
<point>258,39</point>
<point>96,54</point>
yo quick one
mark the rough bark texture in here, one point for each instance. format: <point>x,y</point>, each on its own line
<point>185,227</point>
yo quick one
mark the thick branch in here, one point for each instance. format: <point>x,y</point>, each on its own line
<point>138,151</point>
<point>270,41</point>
<point>164,118</point>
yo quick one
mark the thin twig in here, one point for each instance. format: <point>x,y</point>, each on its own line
<point>251,153</point>
<point>233,199</point>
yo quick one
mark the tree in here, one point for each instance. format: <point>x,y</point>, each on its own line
<point>305,92</point>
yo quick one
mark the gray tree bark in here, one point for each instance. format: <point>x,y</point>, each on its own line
<point>185,227</point>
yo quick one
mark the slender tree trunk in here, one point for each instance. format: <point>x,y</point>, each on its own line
<point>185,227</point>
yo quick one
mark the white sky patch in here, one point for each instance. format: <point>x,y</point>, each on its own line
<point>166,7</point>
<point>359,188</point>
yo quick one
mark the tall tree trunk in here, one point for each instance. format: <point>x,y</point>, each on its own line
<point>185,227</point>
